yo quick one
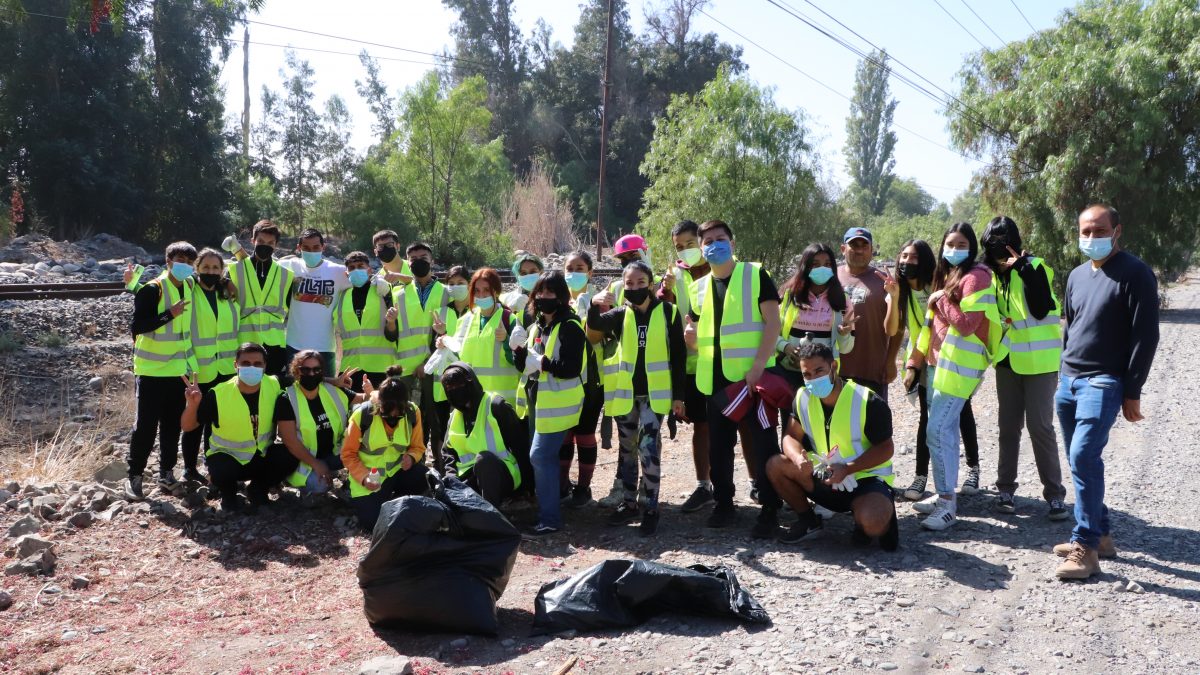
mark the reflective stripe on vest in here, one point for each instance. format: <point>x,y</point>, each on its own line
<point>741,327</point>
<point>364,343</point>
<point>963,359</point>
<point>236,434</point>
<point>414,324</point>
<point>1033,346</point>
<point>214,337</point>
<point>263,308</point>
<point>619,399</point>
<point>484,437</point>
<point>378,449</point>
<point>306,425</point>
<point>685,289</point>
<point>485,353</point>
<point>167,350</point>
<point>846,429</point>
<point>558,400</point>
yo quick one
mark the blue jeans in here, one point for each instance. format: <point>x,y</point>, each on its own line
<point>942,433</point>
<point>1087,408</point>
<point>543,455</point>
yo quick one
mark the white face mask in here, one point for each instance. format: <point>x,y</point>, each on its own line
<point>458,292</point>
<point>691,256</point>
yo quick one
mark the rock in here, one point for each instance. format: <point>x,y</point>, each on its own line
<point>1134,587</point>
<point>51,500</point>
<point>82,519</point>
<point>96,384</point>
<point>1118,586</point>
<point>57,269</point>
<point>52,589</point>
<point>386,665</point>
<point>99,502</point>
<point>69,635</point>
<point>70,268</point>
<point>13,486</point>
<point>41,267</point>
<point>5,495</point>
<point>460,643</point>
<point>31,544</point>
<point>38,563</point>
<point>24,526</point>
<point>143,524</point>
<point>167,509</point>
<point>6,600</point>
<point>905,602</point>
<point>888,665</point>
<point>80,582</point>
<point>113,473</point>
<point>972,669</point>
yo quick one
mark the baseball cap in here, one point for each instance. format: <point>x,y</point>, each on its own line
<point>630,243</point>
<point>857,233</point>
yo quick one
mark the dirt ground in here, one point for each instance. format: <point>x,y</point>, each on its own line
<point>176,591</point>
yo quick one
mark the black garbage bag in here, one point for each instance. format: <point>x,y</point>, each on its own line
<point>619,593</point>
<point>438,563</point>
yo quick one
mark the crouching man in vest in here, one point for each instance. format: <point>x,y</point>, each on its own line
<point>837,453</point>
<point>487,444</point>
<point>384,450</point>
<point>242,412</point>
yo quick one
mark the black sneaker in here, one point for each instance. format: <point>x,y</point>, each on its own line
<point>581,495</point>
<point>564,491</point>
<point>722,516</point>
<point>1058,510</point>
<point>167,481</point>
<point>890,540</point>
<point>806,525</point>
<point>649,524</point>
<point>232,504</point>
<point>700,497</point>
<point>258,496</point>
<point>1005,503</point>
<point>133,489</point>
<point>538,532</point>
<point>767,524</point>
<point>626,513</point>
<point>194,475</point>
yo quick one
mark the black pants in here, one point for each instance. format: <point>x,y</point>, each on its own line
<point>160,404</point>
<point>277,364</point>
<point>191,439</point>
<point>966,428</point>
<point>263,472</point>
<point>491,478</point>
<point>433,414</point>
<point>403,483</point>
<point>722,437</point>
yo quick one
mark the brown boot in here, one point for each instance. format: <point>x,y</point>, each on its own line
<point>1107,549</point>
<point>1081,563</point>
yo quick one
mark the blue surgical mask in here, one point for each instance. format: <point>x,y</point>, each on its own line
<point>359,277</point>
<point>528,280</point>
<point>485,303</point>
<point>819,387</point>
<point>250,375</point>
<point>312,258</point>
<point>955,256</point>
<point>577,281</point>
<point>820,275</point>
<point>181,270</point>
<point>719,252</point>
<point>1096,248</point>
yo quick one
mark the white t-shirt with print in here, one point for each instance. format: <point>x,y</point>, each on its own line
<point>310,317</point>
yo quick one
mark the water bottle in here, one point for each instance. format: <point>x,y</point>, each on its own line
<point>373,480</point>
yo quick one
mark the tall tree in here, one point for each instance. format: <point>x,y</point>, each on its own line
<point>870,141</point>
<point>381,104</point>
<point>1103,107</point>
<point>336,165</point>
<point>300,137</point>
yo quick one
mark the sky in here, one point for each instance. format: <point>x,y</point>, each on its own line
<point>921,34</point>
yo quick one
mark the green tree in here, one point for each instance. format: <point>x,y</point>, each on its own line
<point>870,141</point>
<point>336,166</point>
<point>1105,106</point>
<point>300,133</point>
<point>731,152</point>
<point>907,198</point>
<point>379,101</point>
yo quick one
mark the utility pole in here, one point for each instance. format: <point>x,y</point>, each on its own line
<point>604,131</point>
<point>246,102</point>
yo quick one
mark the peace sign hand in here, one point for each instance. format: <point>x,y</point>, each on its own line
<point>890,286</point>
<point>191,390</point>
<point>848,321</point>
<point>1012,260</point>
<point>177,308</point>
<point>439,325</point>
<point>346,379</point>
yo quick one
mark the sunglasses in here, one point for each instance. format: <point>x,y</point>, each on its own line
<point>311,371</point>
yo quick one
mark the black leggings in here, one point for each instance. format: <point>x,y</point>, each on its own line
<point>966,427</point>
<point>490,477</point>
<point>263,471</point>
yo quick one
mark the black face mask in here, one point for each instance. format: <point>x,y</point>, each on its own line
<point>311,382</point>
<point>907,270</point>
<point>387,253</point>
<point>263,251</point>
<point>546,305</point>
<point>998,251</point>
<point>210,280</point>
<point>637,296</point>
<point>460,398</point>
<point>420,267</point>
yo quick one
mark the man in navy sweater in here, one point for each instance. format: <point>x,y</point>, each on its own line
<point>1109,342</point>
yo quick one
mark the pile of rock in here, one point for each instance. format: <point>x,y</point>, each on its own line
<point>36,257</point>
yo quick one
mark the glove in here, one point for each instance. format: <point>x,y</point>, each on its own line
<point>847,485</point>
<point>533,364</point>
<point>231,244</point>
<point>517,338</point>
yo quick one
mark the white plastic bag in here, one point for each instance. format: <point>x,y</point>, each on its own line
<point>438,361</point>
<point>518,336</point>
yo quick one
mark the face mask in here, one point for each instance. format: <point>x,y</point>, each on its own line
<point>998,252</point>
<point>263,251</point>
<point>210,280</point>
<point>691,256</point>
<point>528,280</point>
<point>420,267</point>
<point>546,305</point>
<point>820,275</point>
<point>1096,248</point>
<point>955,256</point>
<point>459,398</point>
<point>485,303</point>
<point>312,258</point>
<point>311,382</point>
<point>458,292</point>
<point>820,387</point>
<point>391,420</point>
<point>718,252</point>
<point>387,253</point>
<point>181,271</point>
<point>250,375</point>
<point>359,278</point>
<point>907,270</point>
<point>636,296</point>
<point>577,281</point>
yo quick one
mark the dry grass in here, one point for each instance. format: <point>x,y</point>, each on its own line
<point>537,218</point>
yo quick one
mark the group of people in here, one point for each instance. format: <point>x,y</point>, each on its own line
<point>508,390</point>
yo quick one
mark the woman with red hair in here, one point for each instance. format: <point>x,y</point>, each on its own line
<point>482,338</point>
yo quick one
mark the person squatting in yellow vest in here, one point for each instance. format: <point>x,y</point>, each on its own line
<point>366,323</point>
<point>384,450</point>
<point>243,412</point>
<point>1026,364</point>
<point>647,382</point>
<point>161,327</point>
<point>837,453</point>
<point>263,292</point>
<point>487,445</point>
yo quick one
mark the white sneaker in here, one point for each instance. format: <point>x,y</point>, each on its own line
<point>942,518</point>
<point>927,506</point>
<point>615,497</point>
<point>825,513</point>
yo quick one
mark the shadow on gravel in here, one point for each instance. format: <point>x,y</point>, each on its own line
<point>515,625</point>
<point>1189,316</point>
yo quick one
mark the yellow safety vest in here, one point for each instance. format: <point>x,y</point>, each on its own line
<point>790,311</point>
<point>484,437</point>
<point>486,354</point>
<point>846,429</point>
<point>963,359</point>
<point>263,308</point>
<point>558,400</point>
<point>1033,346</point>
<point>685,290</point>
<point>364,344</point>
<point>214,337</point>
<point>741,327</point>
<point>919,321</point>
<point>380,449</point>
<point>415,326</point>
<point>332,400</point>
<point>237,436</point>
<point>167,350</point>
<point>618,400</point>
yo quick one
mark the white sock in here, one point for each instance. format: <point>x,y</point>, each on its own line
<point>706,484</point>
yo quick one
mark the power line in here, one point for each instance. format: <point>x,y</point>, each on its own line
<point>367,42</point>
<point>955,20</point>
<point>1027,22</point>
<point>985,24</point>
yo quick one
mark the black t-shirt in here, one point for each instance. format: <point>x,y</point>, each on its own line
<point>207,413</point>
<point>877,429</point>
<point>767,292</point>
<point>324,427</point>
